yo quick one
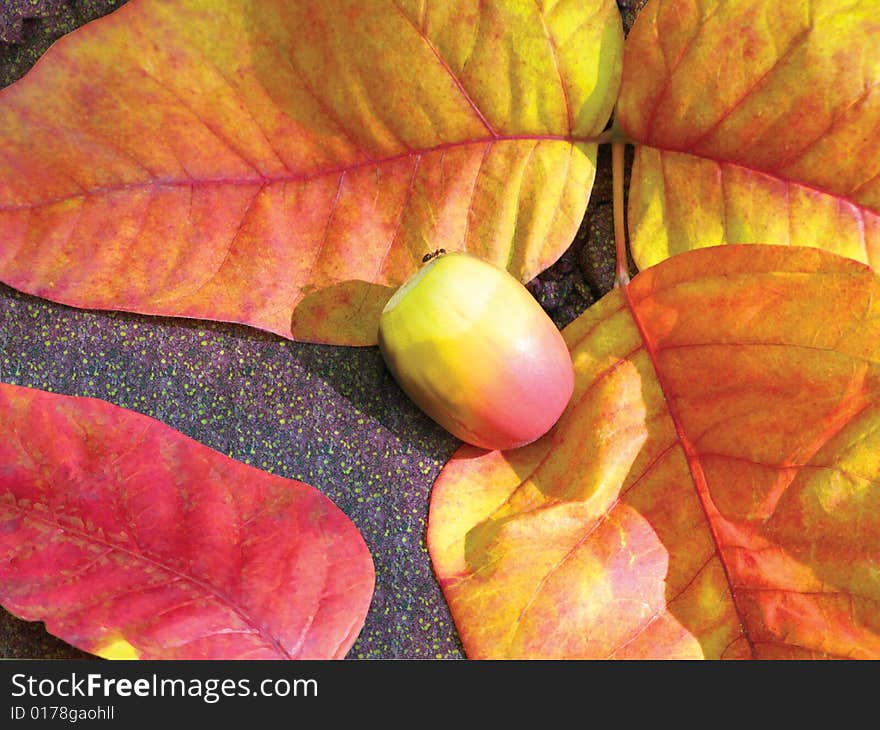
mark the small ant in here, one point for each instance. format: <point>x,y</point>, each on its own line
<point>428,256</point>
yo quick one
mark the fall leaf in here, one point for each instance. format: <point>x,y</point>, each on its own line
<point>282,165</point>
<point>711,490</point>
<point>130,540</point>
<point>756,121</point>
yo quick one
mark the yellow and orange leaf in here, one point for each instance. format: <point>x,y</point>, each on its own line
<point>711,490</point>
<point>757,121</point>
<point>287,164</point>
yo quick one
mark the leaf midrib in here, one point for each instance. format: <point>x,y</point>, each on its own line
<point>776,175</point>
<point>249,620</point>
<point>262,179</point>
<point>692,457</point>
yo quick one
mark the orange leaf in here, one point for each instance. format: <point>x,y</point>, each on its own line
<point>758,121</point>
<point>130,540</point>
<point>287,165</point>
<point>711,489</point>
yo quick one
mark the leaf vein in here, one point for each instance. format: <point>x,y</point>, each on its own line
<point>173,573</point>
<point>457,81</point>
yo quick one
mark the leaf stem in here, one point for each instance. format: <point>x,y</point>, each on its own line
<point>617,160</point>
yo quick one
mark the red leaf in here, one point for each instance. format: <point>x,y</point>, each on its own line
<point>123,535</point>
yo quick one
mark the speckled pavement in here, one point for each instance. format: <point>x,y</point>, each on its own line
<point>329,416</point>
